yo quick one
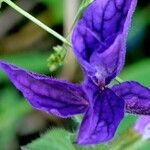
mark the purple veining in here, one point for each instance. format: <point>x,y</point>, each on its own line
<point>98,40</point>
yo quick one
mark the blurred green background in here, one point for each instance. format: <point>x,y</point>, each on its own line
<point>28,46</point>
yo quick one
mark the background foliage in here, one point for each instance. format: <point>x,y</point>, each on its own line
<point>26,45</point>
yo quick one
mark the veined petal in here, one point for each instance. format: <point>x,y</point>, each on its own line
<point>102,118</point>
<point>100,36</point>
<point>60,98</point>
<point>90,87</point>
<point>135,95</point>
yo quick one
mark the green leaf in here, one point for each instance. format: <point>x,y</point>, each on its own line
<point>12,110</point>
<point>52,2</point>
<point>34,61</point>
<point>127,122</point>
<point>140,21</point>
<point>126,141</point>
<point>130,140</point>
<point>144,145</point>
<point>56,139</point>
<point>94,147</point>
<point>59,139</point>
<point>139,71</point>
<point>57,9</point>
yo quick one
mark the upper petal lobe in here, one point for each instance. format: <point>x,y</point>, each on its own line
<point>60,98</point>
<point>102,29</point>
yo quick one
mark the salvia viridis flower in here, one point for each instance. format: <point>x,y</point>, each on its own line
<point>99,43</point>
<point>142,126</point>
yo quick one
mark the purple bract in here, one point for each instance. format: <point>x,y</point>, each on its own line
<point>98,40</point>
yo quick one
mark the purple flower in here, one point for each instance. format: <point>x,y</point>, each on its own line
<point>99,44</point>
<point>142,126</point>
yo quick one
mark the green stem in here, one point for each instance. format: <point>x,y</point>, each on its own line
<point>119,80</point>
<point>36,21</point>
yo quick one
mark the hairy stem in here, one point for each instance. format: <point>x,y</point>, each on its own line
<point>119,80</point>
<point>36,21</point>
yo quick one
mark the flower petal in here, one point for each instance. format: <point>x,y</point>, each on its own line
<point>142,126</point>
<point>136,96</point>
<point>102,118</point>
<point>100,36</point>
<point>52,96</point>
